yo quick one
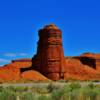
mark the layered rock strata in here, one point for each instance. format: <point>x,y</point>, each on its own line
<point>49,62</point>
<point>49,59</point>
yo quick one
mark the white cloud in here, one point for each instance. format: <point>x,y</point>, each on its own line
<point>15,54</point>
<point>10,54</point>
<point>4,60</point>
<point>23,54</point>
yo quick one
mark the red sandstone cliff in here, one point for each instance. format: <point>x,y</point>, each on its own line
<point>49,62</point>
<point>49,59</point>
<point>14,71</point>
<point>76,70</point>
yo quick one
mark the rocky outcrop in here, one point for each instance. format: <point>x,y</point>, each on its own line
<point>97,59</point>
<point>33,75</point>
<point>49,59</point>
<point>22,63</point>
<point>9,72</point>
<point>91,59</point>
<point>76,70</point>
<point>50,63</point>
<point>14,71</point>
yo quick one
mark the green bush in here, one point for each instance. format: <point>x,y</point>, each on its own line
<point>52,87</point>
<point>70,91</point>
<point>74,86</point>
<point>1,88</point>
<point>27,96</point>
<point>91,85</point>
<point>5,95</point>
<point>43,97</point>
<point>57,94</point>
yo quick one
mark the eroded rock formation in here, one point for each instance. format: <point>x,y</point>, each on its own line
<point>18,70</point>
<point>49,59</point>
<point>50,63</point>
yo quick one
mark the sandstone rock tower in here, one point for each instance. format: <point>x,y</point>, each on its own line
<point>49,59</point>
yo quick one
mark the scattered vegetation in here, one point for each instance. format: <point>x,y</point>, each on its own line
<point>52,91</point>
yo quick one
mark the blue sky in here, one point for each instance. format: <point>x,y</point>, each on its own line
<point>20,20</point>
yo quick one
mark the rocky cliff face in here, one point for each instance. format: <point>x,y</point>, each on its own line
<point>91,59</point>
<point>49,59</point>
<point>77,70</point>
<point>18,70</point>
<point>50,63</point>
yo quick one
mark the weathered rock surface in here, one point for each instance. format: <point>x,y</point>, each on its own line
<point>22,63</point>
<point>9,72</point>
<point>49,59</point>
<point>50,63</point>
<point>13,71</point>
<point>76,70</point>
<point>90,59</point>
<point>33,75</point>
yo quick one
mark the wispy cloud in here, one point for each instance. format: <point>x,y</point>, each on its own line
<point>15,54</point>
<point>10,54</point>
<point>23,54</point>
<point>4,60</point>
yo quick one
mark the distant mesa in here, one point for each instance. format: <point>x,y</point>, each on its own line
<point>49,61</point>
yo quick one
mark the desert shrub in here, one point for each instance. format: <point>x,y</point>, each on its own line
<point>27,96</point>
<point>57,94</point>
<point>43,97</point>
<point>20,89</point>
<point>42,90</point>
<point>67,89</point>
<point>71,92</point>
<point>64,94</point>
<point>39,90</point>
<point>91,85</point>
<point>74,86</point>
<point>9,89</point>
<point>15,89</point>
<point>96,90</point>
<point>74,91</point>
<point>88,93</point>
<point>1,88</point>
<point>52,87</point>
<point>5,95</point>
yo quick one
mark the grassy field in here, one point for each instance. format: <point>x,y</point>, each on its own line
<point>52,91</point>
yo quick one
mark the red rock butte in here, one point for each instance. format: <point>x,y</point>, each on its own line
<point>49,61</point>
